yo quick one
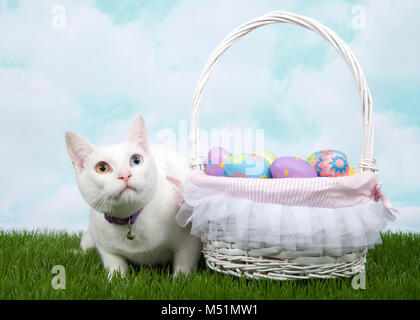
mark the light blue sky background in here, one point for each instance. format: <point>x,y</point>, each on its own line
<point>118,58</point>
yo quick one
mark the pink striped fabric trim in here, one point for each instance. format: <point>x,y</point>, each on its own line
<point>311,192</point>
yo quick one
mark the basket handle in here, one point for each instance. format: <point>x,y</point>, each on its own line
<point>366,161</point>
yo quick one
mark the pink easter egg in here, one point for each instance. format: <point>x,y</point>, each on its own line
<point>216,160</point>
<point>331,164</point>
<point>292,167</point>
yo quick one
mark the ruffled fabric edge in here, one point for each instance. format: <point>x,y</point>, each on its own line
<point>219,217</point>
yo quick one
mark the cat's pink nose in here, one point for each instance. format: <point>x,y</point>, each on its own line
<point>125,177</point>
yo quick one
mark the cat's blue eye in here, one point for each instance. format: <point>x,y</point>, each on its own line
<point>136,160</point>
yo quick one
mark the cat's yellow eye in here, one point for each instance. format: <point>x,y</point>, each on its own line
<point>102,167</point>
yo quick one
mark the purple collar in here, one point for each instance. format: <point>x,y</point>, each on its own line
<point>131,219</point>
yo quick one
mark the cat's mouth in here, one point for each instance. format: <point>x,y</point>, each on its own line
<point>127,189</point>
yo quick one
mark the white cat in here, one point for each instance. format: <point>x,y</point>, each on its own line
<point>119,181</point>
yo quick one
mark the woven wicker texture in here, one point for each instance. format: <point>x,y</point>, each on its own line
<point>223,258</point>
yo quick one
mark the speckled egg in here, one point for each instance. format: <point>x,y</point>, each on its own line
<point>330,163</point>
<point>216,159</point>
<point>248,165</point>
<point>292,167</point>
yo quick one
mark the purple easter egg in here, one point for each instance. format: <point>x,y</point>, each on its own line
<point>292,167</point>
<point>216,159</point>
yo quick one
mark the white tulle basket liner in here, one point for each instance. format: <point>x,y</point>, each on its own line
<point>221,218</point>
<point>218,217</point>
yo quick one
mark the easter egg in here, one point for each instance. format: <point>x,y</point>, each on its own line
<point>267,155</point>
<point>216,159</point>
<point>352,171</point>
<point>292,167</point>
<point>312,157</point>
<point>331,164</point>
<point>248,165</point>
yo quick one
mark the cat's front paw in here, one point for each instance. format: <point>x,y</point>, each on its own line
<point>182,270</point>
<point>113,263</point>
<point>187,256</point>
<point>87,241</point>
<point>114,272</point>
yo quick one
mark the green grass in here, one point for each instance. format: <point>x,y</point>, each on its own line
<point>27,258</point>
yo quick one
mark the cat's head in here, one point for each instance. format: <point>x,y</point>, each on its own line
<point>117,180</point>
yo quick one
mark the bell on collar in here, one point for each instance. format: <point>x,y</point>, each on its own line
<point>130,234</point>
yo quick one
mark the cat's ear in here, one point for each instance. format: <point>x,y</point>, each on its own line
<point>78,148</point>
<point>138,133</point>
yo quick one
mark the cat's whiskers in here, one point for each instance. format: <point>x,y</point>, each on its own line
<point>105,192</point>
<point>99,199</point>
<point>106,195</point>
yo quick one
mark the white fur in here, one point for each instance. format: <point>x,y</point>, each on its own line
<point>159,239</point>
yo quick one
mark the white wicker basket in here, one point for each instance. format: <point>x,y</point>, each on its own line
<point>273,261</point>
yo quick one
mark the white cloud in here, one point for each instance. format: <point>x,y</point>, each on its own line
<point>65,209</point>
<point>387,47</point>
<point>34,111</point>
<point>408,219</point>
